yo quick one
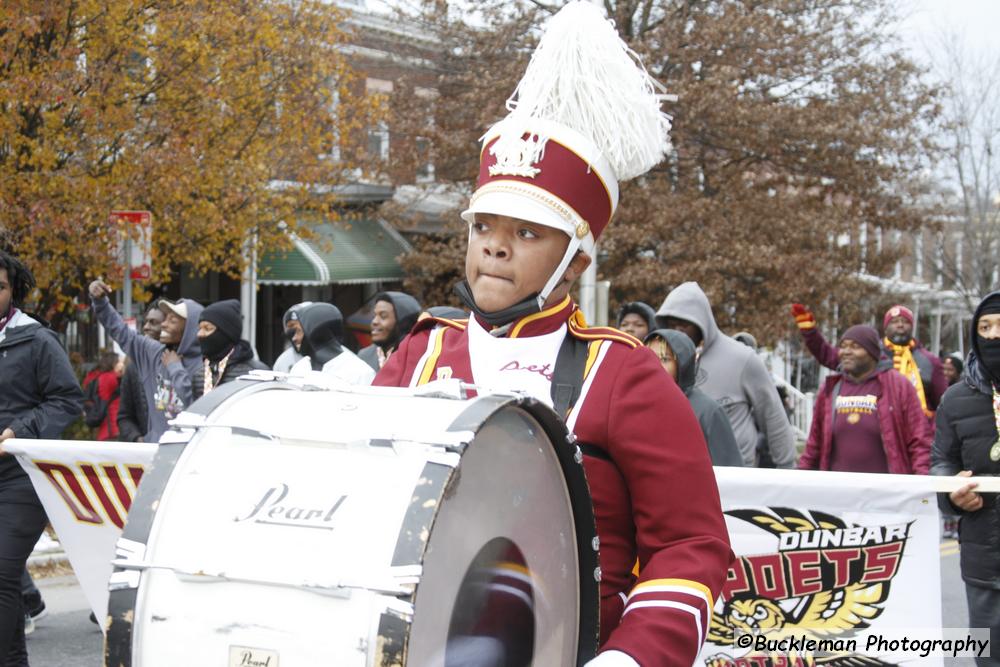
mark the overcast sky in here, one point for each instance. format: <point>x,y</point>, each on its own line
<point>975,20</point>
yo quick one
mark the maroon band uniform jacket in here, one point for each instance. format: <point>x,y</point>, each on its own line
<point>655,500</point>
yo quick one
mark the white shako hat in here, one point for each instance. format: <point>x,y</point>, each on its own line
<point>584,116</point>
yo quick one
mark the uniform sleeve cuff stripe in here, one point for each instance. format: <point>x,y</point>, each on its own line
<point>683,590</point>
<point>682,583</point>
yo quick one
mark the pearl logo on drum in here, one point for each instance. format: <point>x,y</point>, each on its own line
<point>272,509</point>
<point>244,656</point>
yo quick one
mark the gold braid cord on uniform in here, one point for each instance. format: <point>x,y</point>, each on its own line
<point>903,361</point>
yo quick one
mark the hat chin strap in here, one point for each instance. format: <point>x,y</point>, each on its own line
<point>531,304</point>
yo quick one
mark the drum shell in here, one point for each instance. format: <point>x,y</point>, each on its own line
<point>373,500</point>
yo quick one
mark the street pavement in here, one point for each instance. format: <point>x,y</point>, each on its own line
<point>67,638</point>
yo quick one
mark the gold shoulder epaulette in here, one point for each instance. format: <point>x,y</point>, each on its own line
<point>428,323</point>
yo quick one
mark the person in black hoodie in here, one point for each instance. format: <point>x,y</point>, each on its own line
<point>225,356</point>
<point>395,314</point>
<point>321,347</point>
<point>967,443</point>
<point>39,397</point>
<point>637,318</point>
<point>678,358</point>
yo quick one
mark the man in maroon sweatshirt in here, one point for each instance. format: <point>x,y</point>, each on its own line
<point>867,418</point>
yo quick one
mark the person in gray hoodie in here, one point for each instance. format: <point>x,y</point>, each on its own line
<point>732,375</point>
<point>166,367</point>
<point>680,360</point>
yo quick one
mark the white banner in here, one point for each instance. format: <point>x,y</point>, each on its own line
<point>87,489</point>
<point>819,554</point>
<point>824,555</point>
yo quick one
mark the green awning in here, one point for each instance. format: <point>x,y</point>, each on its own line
<point>357,250</point>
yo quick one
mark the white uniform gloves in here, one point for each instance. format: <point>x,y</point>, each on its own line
<point>613,659</point>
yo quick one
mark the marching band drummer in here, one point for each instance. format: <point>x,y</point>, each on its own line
<point>547,188</point>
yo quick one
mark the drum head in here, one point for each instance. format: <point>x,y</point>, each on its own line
<point>501,578</point>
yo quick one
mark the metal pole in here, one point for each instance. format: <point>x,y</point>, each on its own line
<point>127,284</point>
<point>588,290</point>
<point>601,316</point>
<point>248,293</point>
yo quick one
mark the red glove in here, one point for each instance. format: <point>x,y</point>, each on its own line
<point>803,317</point>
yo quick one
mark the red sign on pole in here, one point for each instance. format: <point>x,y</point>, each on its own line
<point>140,252</point>
<point>135,217</point>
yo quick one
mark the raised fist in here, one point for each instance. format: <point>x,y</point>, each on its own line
<point>803,317</point>
<point>99,288</point>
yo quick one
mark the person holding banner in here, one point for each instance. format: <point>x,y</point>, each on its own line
<point>547,188</point>
<point>39,398</point>
<point>967,443</point>
<point>867,418</point>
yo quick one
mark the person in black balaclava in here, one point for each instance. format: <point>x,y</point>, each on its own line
<point>967,443</point>
<point>225,356</point>
<point>637,318</point>
<point>321,348</point>
<point>395,314</point>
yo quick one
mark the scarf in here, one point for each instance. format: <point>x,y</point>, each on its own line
<point>995,449</point>
<point>210,378</point>
<point>903,361</point>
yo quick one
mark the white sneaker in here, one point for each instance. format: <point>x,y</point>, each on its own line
<point>29,625</point>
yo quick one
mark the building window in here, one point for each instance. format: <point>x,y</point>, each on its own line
<point>897,270</point>
<point>378,86</point>
<point>378,142</point>
<point>425,165</point>
<point>863,246</point>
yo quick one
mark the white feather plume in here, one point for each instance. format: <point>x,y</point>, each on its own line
<point>583,75</point>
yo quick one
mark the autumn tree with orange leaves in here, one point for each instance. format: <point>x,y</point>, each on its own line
<point>801,135</point>
<point>221,117</point>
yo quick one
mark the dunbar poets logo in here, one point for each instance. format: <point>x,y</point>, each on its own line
<point>827,579</point>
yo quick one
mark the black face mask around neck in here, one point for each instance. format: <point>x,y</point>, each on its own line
<point>989,356</point>
<point>499,318</point>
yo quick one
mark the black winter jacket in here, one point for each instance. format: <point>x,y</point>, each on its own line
<point>965,433</point>
<point>133,415</point>
<point>240,363</point>
<point>39,393</point>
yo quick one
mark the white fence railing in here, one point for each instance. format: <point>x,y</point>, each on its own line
<point>800,405</point>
